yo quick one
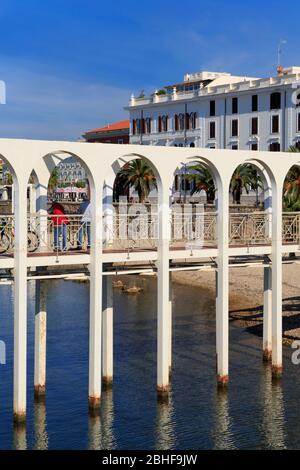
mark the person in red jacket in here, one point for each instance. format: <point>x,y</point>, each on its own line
<point>60,222</point>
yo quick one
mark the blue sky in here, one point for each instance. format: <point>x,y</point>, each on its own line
<point>71,65</point>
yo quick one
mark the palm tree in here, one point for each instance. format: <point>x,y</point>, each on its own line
<point>291,190</point>
<point>203,180</point>
<point>244,177</point>
<point>139,175</point>
<point>53,181</point>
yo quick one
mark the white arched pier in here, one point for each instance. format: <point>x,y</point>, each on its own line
<point>101,162</point>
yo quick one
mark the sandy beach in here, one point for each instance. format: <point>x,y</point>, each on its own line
<point>246,296</point>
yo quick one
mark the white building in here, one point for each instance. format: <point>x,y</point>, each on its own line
<point>219,110</point>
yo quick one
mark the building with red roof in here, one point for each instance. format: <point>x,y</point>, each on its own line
<point>114,133</point>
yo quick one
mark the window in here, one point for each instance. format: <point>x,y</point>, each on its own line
<point>234,128</point>
<point>234,147</point>
<point>298,101</point>
<point>298,122</point>
<point>192,144</point>
<point>120,141</point>
<point>181,122</point>
<point>133,126</point>
<point>164,122</point>
<point>274,147</point>
<point>187,121</point>
<point>254,146</point>
<point>235,105</point>
<point>137,126</point>
<point>193,120</point>
<point>148,125</point>
<point>212,108</point>
<point>254,103</point>
<point>275,100</point>
<point>176,126</point>
<point>297,145</point>
<point>212,130</point>
<point>275,124</point>
<point>254,126</point>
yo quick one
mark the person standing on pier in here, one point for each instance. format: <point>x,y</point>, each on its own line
<point>60,222</point>
<point>85,225</point>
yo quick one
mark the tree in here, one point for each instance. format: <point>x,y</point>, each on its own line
<point>291,190</point>
<point>203,180</point>
<point>137,174</point>
<point>245,177</point>
<point>53,181</point>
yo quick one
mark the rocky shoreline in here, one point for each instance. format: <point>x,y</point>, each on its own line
<point>246,296</point>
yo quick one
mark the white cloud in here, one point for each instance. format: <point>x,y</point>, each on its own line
<point>41,105</point>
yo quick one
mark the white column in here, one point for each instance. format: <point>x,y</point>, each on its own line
<point>108,211</point>
<point>20,302</point>
<point>163,305</point>
<point>32,198</point>
<point>95,302</point>
<point>277,284</point>
<point>267,315</point>
<point>222,287</point>
<point>107,331</point>
<point>40,340</point>
<point>42,216</point>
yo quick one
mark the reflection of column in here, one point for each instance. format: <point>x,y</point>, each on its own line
<point>107,331</point>
<point>273,423</point>
<point>267,315</point>
<point>19,437</point>
<point>223,436</point>
<point>165,436</point>
<point>41,436</point>
<point>101,429</point>
<point>40,340</point>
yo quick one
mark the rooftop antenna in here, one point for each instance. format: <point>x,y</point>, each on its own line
<point>279,55</point>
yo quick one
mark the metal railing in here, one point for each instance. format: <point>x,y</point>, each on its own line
<point>139,230</point>
<point>47,233</point>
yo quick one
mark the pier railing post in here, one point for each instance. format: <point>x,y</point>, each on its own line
<point>40,340</point>
<point>107,331</point>
<point>95,302</point>
<point>163,305</point>
<point>222,288</point>
<point>267,315</point>
<point>277,285</point>
<point>20,301</point>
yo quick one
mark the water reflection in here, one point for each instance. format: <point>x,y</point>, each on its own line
<point>165,435</point>
<point>19,437</point>
<point>223,435</point>
<point>41,436</point>
<point>273,421</point>
<point>101,426</point>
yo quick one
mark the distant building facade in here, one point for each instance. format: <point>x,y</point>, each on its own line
<point>115,133</point>
<point>219,110</point>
